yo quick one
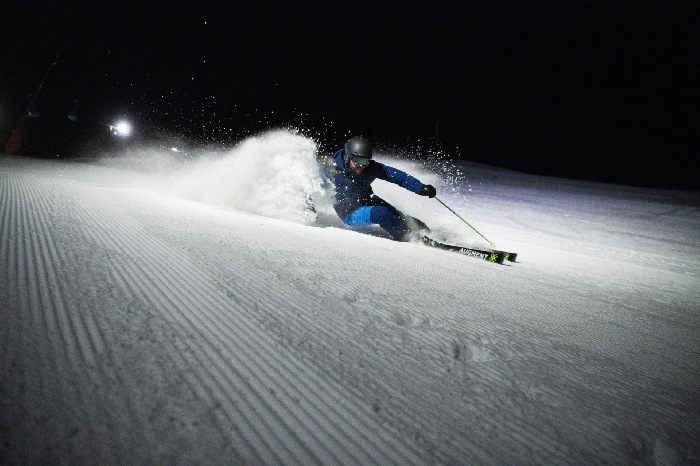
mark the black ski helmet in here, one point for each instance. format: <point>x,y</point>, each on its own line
<point>359,146</point>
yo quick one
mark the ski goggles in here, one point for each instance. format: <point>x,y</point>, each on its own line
<point>360,161</point>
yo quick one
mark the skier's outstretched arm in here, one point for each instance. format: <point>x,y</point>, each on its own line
<point>406,181</point>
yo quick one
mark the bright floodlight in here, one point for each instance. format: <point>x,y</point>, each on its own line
<point>122,129</point>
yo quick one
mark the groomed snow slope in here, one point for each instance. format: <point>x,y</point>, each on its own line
<point>138,328</point>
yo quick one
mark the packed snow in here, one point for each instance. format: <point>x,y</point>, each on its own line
<point>157,308</point>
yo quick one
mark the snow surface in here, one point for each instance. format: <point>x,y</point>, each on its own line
<point>189,313</point>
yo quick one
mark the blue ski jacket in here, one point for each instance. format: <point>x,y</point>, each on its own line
<point>353,191</point>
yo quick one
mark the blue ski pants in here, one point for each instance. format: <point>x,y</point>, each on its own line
<point>380,213</point>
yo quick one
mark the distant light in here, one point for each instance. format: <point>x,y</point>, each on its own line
<point>174,149</point>
<point>122,129</point>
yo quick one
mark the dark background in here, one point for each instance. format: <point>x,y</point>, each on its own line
<point>605,91</point>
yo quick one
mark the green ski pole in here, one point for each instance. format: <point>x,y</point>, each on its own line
<point>448,208</point>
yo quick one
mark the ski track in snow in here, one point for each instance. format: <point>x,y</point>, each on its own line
<point>138,328</point>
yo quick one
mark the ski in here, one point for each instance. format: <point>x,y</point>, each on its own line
<point>488,255</point>
<point>510,256</point>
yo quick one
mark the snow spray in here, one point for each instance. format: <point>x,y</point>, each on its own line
<point>273,174</point>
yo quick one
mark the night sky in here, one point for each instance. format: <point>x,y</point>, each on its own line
<point>606,91</point>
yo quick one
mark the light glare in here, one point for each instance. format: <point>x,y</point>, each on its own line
<point>122,129</point>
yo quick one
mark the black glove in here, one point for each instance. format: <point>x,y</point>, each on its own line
<point>428,190</point>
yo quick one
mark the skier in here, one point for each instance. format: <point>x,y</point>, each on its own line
<point>357,205</point>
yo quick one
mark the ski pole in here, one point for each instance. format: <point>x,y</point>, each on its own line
<point>448,208</point>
